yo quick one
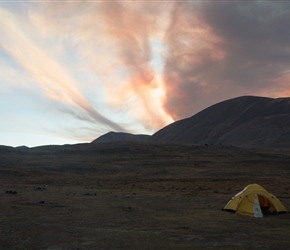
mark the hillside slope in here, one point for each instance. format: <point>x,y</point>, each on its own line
<point>242,121</point>
<point>119,136</point>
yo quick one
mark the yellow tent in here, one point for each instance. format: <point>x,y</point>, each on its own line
<point>255,201</point>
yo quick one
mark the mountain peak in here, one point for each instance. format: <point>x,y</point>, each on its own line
<point>241,121</point>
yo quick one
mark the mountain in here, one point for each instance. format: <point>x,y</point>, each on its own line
<point>119,136</point>
<point>241,121</point>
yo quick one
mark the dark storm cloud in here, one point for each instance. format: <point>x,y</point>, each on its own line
<point>255,37</point>
<point>218,50</point>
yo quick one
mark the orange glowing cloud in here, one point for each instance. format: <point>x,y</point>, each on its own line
<point>131,57</point>
<point>191,47</point>
<point>278,86</point>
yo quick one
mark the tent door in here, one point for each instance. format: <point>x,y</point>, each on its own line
<point>257,209</point>
<point>264,203</point>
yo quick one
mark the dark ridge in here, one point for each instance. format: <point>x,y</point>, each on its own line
<point>241,121</point>
<point>119,136</point>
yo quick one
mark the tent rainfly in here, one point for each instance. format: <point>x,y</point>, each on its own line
<point>255,201</point>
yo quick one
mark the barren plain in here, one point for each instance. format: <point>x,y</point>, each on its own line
<point>138,196</point>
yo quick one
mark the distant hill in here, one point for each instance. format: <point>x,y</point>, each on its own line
<point>22,147</point>
<point>119,136</point>
<point>242,121</point>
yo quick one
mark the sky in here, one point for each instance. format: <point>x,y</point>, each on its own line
<point>71,71</point>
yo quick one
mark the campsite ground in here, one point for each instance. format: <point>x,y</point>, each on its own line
<point>138,196</point>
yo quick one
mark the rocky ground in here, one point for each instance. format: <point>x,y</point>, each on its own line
<point>138,196</point>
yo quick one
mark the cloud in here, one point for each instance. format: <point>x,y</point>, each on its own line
<point>129,29</point>
<point>131,33</point>
<point>137,66</point>
<point>107,37</point>
<point>218,50</point>
<point>56,81</point>
<point>193,52</point>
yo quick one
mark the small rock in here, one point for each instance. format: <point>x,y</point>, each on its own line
<point>11,192</point>
<point>90,194</point>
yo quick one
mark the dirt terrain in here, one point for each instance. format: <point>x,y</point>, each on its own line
<point>138,196</point>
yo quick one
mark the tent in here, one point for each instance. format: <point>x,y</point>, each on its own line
<point>255,201</point>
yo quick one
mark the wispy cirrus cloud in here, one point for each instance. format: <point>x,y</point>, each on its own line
<point>48,73</point>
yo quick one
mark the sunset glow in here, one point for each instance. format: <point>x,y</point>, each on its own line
<point>74,70</point>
